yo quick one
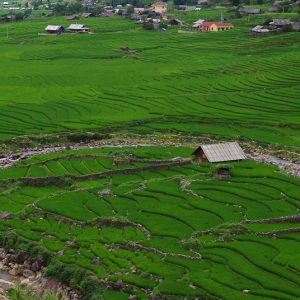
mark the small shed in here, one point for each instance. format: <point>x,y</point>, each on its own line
<point>219,152</point>
<point>175,22</point>
<point>87,15</point>
<point>221,170</point>
<point>280,22</point>
<point>197,23</point>
<point>72,18</point>
<point>78,28</point>
<point>260,30</point>
<point>54,29</point>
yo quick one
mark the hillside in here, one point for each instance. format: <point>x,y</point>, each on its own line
<point>100,195</point>
<point>226,84</point>
<point>215,238</point>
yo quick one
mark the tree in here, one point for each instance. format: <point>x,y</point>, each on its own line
<point>59,9</point>
<point>130,10</point>
<point>235,2</point>
<point>284,6</point>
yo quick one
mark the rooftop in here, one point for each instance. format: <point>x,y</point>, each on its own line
<point>223,152</point>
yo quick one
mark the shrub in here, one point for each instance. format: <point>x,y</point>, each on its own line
<point>86,137</point>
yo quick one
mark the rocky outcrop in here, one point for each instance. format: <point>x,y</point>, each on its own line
<point>22,270</point>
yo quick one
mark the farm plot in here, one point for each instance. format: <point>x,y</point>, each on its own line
<point>225,84</point>
<point>216,238</point>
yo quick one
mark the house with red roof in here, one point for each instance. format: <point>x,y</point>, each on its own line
<point>214,26</point>
<point>159,7</point>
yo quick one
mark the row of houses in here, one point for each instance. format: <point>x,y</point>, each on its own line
<point>276,25</point>
<point>73,28</point>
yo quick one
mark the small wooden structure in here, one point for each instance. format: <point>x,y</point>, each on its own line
<point>78,28</point>
<point>54,29</point>
<point>250,11</point>
<point>87,15</point>
<point>175,22</point>
<point>72,18</point>
<point>222,171</point>
<point>259,30</point>
<point>280,23</point>
<point>159,7</point>
<point>219,152</point>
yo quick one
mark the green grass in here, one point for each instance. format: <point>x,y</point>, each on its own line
<point>143,234</point>
<point>225,84</point>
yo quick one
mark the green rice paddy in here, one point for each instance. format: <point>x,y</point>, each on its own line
<point>225,84</point>
<point>192,240</point>
<point>179,232</point>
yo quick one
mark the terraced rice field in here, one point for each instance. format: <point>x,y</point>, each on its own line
<point>226,84</point>
<point>178,232</point>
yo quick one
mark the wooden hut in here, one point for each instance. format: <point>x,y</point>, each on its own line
<point>175,22</point>
<point>54,29</point>
<point>72,18</point>
<point>250,11</point>
<point>219,152</point>
<point>78,28</point>
<point>87,15</point>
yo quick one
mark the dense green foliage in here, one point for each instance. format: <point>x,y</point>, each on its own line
<point>226,84</point>
<point>191,230</point>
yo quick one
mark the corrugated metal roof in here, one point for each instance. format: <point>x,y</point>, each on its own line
<point>52,28</point>
<point>223,152</point>
<point>280,22</point>
<point>76,26</point>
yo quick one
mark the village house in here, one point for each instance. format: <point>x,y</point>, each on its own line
<point>187,7</point>
<point>107,14</point>
<point>219,152</point>
<point>78,28</point>
<point>138,10</point>
<point>175,22</point>
<point>54,29</point>
<point>72,18</point>
<point>198,23</point>
<point>202,2</point>
<point>87,15</point>
<point>214,26</point>
<point>280,23</point>
<point>259,30</point>
<point>250,11</point>
<point>159,7</point>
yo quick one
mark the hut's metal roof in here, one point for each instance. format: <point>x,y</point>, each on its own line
<point>223,152</point>
<point>86,15</point>
<point>53,28</point>
<point>76,27</point>
<point>260,29</point>
<point>250,10</point>
<point>280,22</point>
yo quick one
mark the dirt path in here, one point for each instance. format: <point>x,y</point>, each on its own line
<point>12,158</point>
<point>285,165</point>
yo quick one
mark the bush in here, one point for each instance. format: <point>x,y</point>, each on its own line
<point>148,26</point>
<point>76,278</point>
<point>86,137</point>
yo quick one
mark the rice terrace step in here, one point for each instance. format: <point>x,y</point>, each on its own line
<point>149,150</point>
